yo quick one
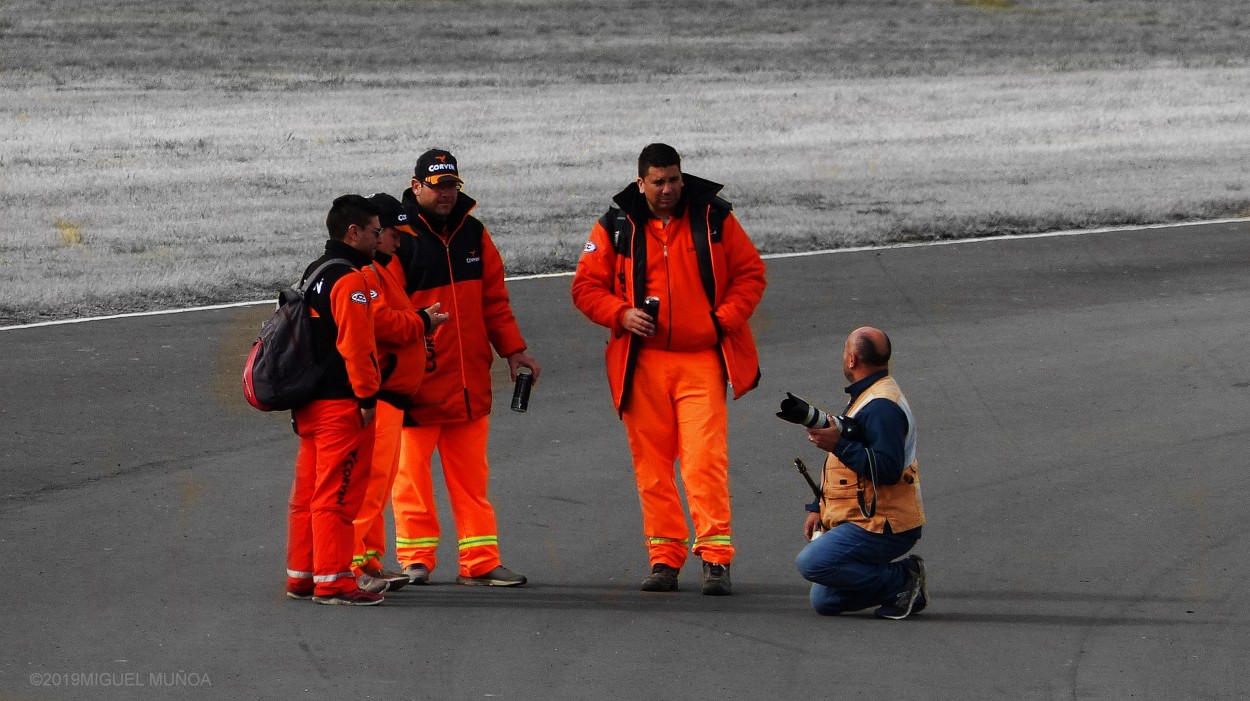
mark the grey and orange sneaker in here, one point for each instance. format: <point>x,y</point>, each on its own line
<point>499,577</point>
<point>417,574</point>
<point>355,597</point>
<point>394,580</point>
<point>372,583</point>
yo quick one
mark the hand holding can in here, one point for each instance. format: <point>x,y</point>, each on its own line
<point>521,392</point>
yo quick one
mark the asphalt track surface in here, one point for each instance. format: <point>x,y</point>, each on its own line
<point>1083,407</point>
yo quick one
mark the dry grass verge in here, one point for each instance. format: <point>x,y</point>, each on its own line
<point>203,175</point>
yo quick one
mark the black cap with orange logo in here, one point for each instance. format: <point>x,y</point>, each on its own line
<point>437,166</point>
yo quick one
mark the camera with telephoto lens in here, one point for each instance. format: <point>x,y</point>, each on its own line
<point>798,411</point>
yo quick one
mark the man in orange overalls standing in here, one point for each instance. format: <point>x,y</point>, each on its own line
<point>336,429</point>
<point>447,256</point>
<point>669,236</point>
<point>400,330</point>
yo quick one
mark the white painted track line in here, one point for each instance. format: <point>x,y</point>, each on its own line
<point>770,256</point>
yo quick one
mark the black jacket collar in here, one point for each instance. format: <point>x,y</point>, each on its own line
<point>694,189</point>
<point>418,216</point>
<point>339,249</point>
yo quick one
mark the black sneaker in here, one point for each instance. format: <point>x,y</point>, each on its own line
<point>903,604</point>
<point>923,599</point>
<point>662,578</point>
<point>715,579</point>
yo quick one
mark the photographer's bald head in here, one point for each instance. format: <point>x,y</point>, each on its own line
<point>867,351</point>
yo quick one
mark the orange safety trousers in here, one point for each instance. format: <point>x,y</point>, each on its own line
<point>462,450</point>
<point>370,523</point>
<point>331,471</point>
<point>676,413</point>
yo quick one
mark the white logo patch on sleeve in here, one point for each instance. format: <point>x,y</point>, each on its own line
<point>590,247</point>
<point>360,298</point>
<point>373,294</point>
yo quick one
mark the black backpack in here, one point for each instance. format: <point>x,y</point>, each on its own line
<point>282,370</point>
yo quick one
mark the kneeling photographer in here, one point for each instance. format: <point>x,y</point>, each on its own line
<point>869,505</point>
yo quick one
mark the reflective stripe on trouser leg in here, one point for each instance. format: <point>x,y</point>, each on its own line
<point>462,450</point>
<point>332,470</point>
<point>412,498</point>
<point>702,425</point>
<point>370,523</point>
<point>651,427</point>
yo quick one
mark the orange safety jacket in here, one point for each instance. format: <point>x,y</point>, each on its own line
<point>455,262</point>
<point>898,504</point>
<point>343,328</point>
<point>400,331</point>
<point>615,270</point>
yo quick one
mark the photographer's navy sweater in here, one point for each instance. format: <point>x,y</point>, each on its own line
<point>885,428</point>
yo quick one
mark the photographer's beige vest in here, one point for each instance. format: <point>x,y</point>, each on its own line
<point>898,504</point>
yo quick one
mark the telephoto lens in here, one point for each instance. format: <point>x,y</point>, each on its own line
<point>798,411</point>
<point>521,393</point>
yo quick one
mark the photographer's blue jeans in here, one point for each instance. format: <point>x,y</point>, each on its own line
<point>852,569</point>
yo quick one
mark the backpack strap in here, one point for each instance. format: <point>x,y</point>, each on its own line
<point>303,289</point>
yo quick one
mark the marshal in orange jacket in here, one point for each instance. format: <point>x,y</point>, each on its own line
<point>344,329</point>
<point>399,329</point>
<point>616,271</point>
<point>456,263</point>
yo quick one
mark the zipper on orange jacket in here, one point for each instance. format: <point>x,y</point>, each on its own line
<point>455,304</point>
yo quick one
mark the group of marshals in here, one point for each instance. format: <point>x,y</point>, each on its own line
<point>412,308</point>
<point>409,311</point>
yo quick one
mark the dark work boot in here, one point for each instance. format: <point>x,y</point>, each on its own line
<point>715,579</point>
<point>662,578</point>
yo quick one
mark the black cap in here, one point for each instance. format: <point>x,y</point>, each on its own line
<point>436,166</point>
<point>390,211</point>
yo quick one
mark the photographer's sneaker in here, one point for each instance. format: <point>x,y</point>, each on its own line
<point>922,600</point>
<point>355,597</point>
<point>417,574</point>
<point>662,578</point>
<point>715,579</point>
<point>499,577</point>
<point>903,604</point>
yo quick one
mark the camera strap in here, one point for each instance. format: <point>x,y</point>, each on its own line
<point>870,509</point>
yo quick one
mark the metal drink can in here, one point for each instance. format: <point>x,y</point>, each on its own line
<point>651,305</point>
<point>521,393</point>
